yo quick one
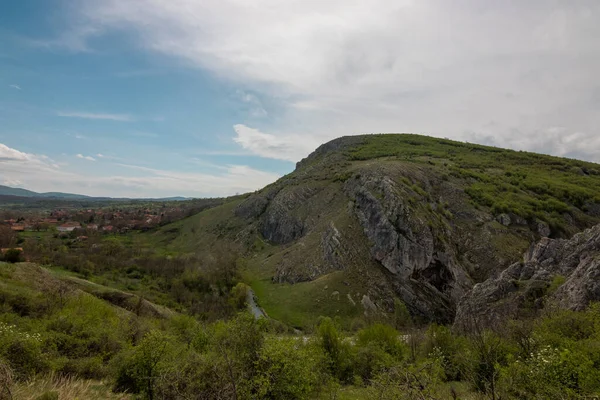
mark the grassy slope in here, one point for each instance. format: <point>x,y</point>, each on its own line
<point>562,192</point>
<point>527,184</point>
<point>32,291</point>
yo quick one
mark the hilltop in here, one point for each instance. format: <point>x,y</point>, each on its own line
<point>365,221</point>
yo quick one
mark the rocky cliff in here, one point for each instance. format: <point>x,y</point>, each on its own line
<point>564,273</point>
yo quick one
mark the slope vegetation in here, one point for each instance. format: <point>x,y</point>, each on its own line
<point>367,220</point>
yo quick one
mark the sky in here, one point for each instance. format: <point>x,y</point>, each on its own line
<point>198,98</point>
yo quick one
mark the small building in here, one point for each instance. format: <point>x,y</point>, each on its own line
<point>92,227</point>
<point>18,228</point>
<point>68,227</point>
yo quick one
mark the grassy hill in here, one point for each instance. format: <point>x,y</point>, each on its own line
<point>368,219</point>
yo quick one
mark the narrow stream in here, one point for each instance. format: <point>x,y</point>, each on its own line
<point>253,306</point>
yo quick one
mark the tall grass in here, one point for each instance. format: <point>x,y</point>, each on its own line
<point>54,386</point>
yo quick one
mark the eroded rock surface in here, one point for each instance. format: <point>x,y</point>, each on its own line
<point>561,272</point>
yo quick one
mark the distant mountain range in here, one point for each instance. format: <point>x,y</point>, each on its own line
<point>19,192</point>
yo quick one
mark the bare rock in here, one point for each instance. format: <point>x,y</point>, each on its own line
<point>525,287</point>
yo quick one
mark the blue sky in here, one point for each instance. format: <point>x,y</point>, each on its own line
<point>157,98</point>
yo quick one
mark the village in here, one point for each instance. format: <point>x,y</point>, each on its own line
<point>91,220</point>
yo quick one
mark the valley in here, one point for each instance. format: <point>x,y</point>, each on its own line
<point>384,266</point>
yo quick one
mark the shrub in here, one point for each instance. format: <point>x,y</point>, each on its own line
<point>238,296</point>
<point>384,337</point>
<point>86,368</point>
<point>138,370</point>
<point>22,351</point>
<point>12,256</point>
<point>338,353</point>
<point>196,376</point>
<point>402,318</point>
<point>371,360</point>
<point>551,373</point>
<point>287,369</point>
<point>447,348</point>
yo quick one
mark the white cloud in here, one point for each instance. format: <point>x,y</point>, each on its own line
<point>255,106</point>
<point>73,39</point>
<point>281,147</point>
<point>17,166</point>
<point>42,174</point>
<point>231,179</point>
<point>17,87</point>
<point>88,115</point>
<point>460,69</point>
<point>89,158</point>
<point>12,182</point>
<point>10,154</point>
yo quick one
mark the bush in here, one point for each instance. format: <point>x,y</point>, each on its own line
<point>238,296</point>
<point>138,370</point>
<point>371,360</point>
<point>378,347</point>
<point>449,349</point>
<point>22,351</point>
<point>338,353</point>
<point>85,368</point>
<point>196,376</point>
<point>287,369</point>
<point>12,256</point>
<point>384,337</point>
<point>402,318</point>
<point>551,373</point>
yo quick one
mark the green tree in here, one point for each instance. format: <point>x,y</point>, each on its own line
<point>140,370</point>
<point>287,369</point>
<point>402,318</point>
<point>238,342</point>
<point>12,255</point>
<point>337,352</point>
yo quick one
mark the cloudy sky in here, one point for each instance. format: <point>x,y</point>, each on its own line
<point>215,97</point>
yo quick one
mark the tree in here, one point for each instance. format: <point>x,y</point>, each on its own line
<point>238,342</point>
<point>12,255</point>
<point>7,236</point>
<point>140,372</point>
<point>287,369</point>
<point>402,317</point>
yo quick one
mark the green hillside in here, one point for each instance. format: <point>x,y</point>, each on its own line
<point>367,219</point>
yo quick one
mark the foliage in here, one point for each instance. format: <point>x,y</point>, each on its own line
<point>22,351</point>
<point>402,318</point>
<point>451,351</point>
<point>525,184</point>
<point>337,352</point>
<point>12,255</point>
<point>139,371</point>
<point>287,368</point>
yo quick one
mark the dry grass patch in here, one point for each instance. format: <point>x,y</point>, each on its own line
<point>65,388</point>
